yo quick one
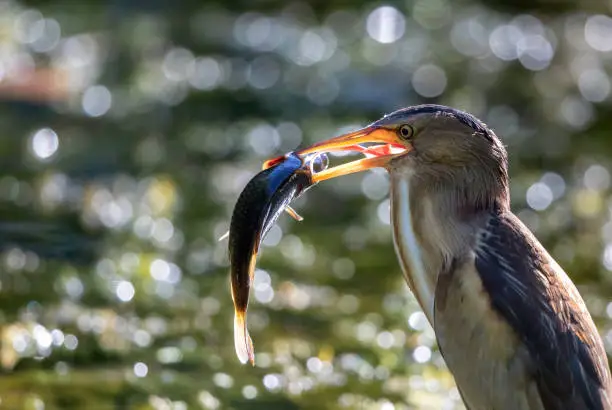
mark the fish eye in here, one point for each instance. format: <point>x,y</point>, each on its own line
<point>319,163</point>
<point>405,131</point>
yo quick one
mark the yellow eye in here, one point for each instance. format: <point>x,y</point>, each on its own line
<point>405,131</point>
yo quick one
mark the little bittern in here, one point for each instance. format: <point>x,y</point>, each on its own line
<point>511,325</point>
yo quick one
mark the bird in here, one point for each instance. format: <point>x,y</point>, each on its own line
<point>510,324</point>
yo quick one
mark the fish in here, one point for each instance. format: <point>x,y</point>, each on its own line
<point>264,198</point>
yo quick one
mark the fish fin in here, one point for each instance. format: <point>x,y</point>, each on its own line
<point>274,161</point>
<point>224,236</point>
<point>242,340</point>
<point>294,214</point>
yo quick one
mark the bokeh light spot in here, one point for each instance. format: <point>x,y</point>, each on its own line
<point>249,392</point>
<point>140,369</point>
<point>555,182</point>
<point>503,42</point>
<point>429,80</point>
<point>594,85</point>
<point>539,196</point>
<point>272,382</point>
<point>598,32</point>
<point>223,380</point>
<point>207,74</point>
<point>44,143</point>
<point>263,139</point>
<point>422,354</point>
<point>125,291</point>
<point>386,24</point>
<point>375,185</point>
<point>71,342</point>
<point>535,52</point>
<point>597,178</point>
<point>607,257</point>
<point>96,101</point>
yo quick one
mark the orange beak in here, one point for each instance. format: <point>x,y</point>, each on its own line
<point>378,156</point>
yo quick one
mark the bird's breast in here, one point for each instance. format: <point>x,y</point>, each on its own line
<point>488,362</point>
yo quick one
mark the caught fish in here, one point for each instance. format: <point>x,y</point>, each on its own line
<point>261,202</point>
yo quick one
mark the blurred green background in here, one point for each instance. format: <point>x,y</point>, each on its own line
<point>129,127</point>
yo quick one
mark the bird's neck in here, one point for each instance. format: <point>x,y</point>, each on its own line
<point>439,225</point>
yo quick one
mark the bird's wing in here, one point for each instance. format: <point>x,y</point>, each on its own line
<point>529,289</point>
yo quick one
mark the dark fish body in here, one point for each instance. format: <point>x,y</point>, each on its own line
<point>258,207</point>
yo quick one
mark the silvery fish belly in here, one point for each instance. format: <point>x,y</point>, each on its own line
<point>260,204</point>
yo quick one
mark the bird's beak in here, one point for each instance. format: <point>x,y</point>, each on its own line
<point>389,146</point>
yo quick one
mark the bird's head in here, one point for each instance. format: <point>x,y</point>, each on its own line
<point>443,150</point>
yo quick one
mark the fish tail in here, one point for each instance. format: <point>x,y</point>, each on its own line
<point>242,339</point>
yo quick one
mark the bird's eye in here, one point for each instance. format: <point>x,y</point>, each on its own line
<point>405,131</point>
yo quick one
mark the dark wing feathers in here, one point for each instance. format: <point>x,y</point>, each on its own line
<point>544,308</point>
